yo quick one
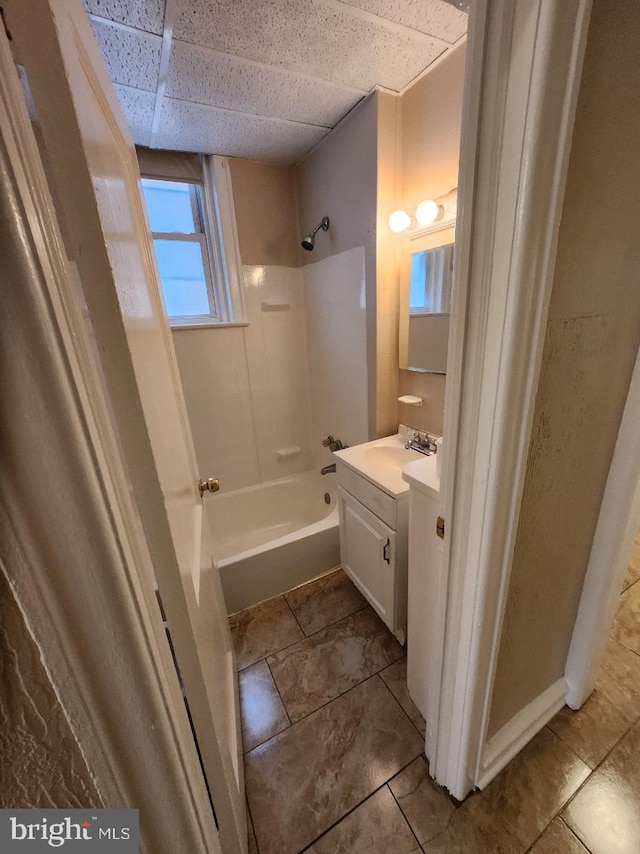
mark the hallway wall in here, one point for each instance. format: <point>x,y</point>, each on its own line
<point>42,766</point>
<point>592,338</point>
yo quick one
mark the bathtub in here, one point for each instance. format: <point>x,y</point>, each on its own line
<point>272,537</point>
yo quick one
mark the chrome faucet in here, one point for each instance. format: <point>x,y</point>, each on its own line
<point>422,442</point>
<point>328,469</point>
<point>333,444</point>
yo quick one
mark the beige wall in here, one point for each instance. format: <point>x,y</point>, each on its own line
<point>338,179</point>
<point>591,342</point>
<point>387,303</point>
<point>266,215</point>
<point>431,388</point>
<point>41,765</point>
<point>431,118</point>
<point>431,122</point>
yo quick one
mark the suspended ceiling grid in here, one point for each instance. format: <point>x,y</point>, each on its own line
<point>261,79</point>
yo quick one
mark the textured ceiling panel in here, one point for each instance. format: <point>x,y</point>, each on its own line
<point>434,17</point>
<point>144,14</point>
<point>133,58</point>
<point>138,108</point>
<point>205,77</point>
<point>191,127</point>
<point>308,37</point>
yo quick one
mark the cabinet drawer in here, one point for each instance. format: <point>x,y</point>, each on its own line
<point>383,505</point>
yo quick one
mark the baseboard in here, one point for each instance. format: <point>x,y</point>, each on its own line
<point>513,736</point>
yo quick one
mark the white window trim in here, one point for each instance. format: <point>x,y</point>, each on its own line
<point>221,215</point>
<point>223,267</point>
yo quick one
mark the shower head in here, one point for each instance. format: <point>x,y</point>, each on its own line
<point>309,240</point>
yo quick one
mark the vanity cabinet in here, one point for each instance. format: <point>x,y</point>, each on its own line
<point>425,623</point>
<point>373,546</point>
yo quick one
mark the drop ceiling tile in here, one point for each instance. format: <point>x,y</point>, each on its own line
<point>192,127</point>
<point>133,58</point>
<point>434,17</point>
<point>143,14</point>
<point>137,107</point>
<point>308,37</point>
<point>199,75</point>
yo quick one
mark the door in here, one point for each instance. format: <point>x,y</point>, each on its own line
<point>368,555</point>
<point>92,169</point>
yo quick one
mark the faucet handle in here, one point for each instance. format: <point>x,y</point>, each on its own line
<point>328,441</point>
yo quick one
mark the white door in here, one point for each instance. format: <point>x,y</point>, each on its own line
<point>368,555</point>
<point>90,160</point>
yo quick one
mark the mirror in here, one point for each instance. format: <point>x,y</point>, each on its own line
<point>424,319</point>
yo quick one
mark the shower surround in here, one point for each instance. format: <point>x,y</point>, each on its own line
<point>261,397</point>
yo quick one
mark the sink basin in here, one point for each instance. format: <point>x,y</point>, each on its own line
<point>383,455</point>
<point>381,462</point>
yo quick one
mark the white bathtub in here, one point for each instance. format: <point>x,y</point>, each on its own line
<point>274,536</point>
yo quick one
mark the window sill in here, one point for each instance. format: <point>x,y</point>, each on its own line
<point>418,313</point>
<point>207,325</point>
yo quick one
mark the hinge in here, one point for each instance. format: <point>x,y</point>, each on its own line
<point>440,527</point>
<point>4,24</point>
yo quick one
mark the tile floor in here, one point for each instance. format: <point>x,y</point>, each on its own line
<point>334,745</point>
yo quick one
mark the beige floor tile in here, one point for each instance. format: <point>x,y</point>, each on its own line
<point>395,678</point>
<point>332,661</point>
<point>426,806</point>
<point>558,839</point>
<point>261,711</point>
<point>593,730</point>
<point>325,601</point>
<point>473,830</point>
<point>619,679</point>
<point>535,785</point>
<point>308,777</point>
<point>375,827</point>
<point>263,630</point>
<point>253,845</point>
<point>605,814</point>
<point>626,623</point>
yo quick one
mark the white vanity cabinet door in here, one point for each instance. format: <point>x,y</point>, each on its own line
<point>368,552</point>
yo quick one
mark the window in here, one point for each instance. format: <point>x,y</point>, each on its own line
<point>177,221</point>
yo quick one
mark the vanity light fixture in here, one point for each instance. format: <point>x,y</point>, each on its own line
<point>431,215</point>
<point>400,221</point>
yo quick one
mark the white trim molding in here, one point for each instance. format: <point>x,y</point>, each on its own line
<point>524,64</point>
<point>514,735</point>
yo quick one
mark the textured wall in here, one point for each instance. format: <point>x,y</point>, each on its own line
<point>40,761</point>
<point>592,337</point>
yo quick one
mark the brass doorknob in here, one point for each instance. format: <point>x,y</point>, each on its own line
<point>211,484</point>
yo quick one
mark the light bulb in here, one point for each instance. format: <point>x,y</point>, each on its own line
<point>427,212</point>
<point>451,202</point>
<point>399,221</point>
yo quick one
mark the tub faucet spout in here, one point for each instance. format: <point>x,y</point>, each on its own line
<point>328,469</point>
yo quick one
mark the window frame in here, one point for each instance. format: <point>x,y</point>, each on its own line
<point>219,242</point>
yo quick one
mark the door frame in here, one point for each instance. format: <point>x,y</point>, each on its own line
<point>72,547</point>
<point>524,64</point>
